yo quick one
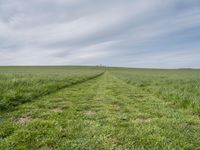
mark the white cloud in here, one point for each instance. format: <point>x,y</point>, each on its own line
<point>93,32</point>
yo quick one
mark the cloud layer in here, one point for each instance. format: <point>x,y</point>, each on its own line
<point>136,33</point>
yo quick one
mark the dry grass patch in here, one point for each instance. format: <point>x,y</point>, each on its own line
<point>142,118</point>
<point>24,119</point>
<point>89,112</point>
<point>57,110</point>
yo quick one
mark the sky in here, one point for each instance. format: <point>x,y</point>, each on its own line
<point>129,33</point>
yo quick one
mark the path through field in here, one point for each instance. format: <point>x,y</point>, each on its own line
<point>102,113</point>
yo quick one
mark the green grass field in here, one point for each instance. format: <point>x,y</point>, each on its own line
<point>99,108</point>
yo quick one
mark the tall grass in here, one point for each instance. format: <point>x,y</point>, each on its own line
<point>19,85</point>
<point>181,86</point>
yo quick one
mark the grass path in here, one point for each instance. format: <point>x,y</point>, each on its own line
<point>102,113</point>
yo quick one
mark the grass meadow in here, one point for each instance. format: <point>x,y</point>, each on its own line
<point>23,84</point>
<point>99,108</point>
<point>181,86</point>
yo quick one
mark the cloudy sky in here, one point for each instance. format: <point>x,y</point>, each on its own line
<point>133,33</point>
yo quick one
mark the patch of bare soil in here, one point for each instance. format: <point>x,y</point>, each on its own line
<point>89,113</point>
<point>24,119</point>
<point>57,110</point>
<point>142,118</point>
